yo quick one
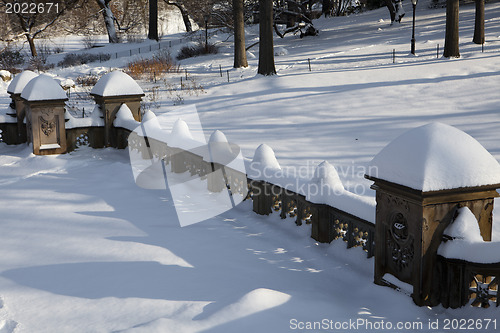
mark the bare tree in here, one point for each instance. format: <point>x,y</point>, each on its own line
<point>451,42</point>
<point>109,20</point>
<point>266,45</point>
<point>184,13</point>
<point>327,7</point>
<point>32,18</point>
<point>479,23</point>
<point>153,20</point>
<point>240,56</point>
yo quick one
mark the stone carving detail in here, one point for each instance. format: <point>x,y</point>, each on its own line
<point>47,126</point>
<point>401,255</point>
<point>484,290</point>
<point>396,201</point>
<point>400,242</point>
<point>47,112</point>
<point>425,224</point>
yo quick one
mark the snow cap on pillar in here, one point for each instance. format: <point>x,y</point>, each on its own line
<point>43,88</point>
<point>18,83</point>
<point>435,157</point>
<point>116,83</point>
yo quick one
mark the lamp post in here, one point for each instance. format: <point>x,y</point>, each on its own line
<point>414,3</point>
<point>207,17</point>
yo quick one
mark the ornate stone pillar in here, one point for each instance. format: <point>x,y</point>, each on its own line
<point>45,125</point>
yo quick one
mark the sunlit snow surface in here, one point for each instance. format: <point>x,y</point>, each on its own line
<point>84,249</point>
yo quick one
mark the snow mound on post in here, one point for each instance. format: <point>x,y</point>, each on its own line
<point>264,163</point>
<point>150,120</point>
<point>43,88</point>
<point>467,243</point>
<point>116,83</point>
<point>218,148</point>
<point>125,119</point>
<point>181,136</point>
<point>326,175</point>
<point>180,130</point>
<point>217,137</point>
<point>20,81</point>
<point>464,227</point>
<point>435,157</point>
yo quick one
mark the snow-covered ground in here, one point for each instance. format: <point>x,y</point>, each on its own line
<point>83,249</point>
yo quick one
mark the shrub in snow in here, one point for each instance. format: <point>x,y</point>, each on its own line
<point>161,63</point>
<point>89,41</point>
<point>39,63</point>
<point>88,80</point>
<point>73,59</point>
<point>197,50</point>
<point>9,59</point>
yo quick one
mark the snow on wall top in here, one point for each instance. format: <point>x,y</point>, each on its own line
<point>467,243</point>
<point>125,118</point>
<point>435,157</point>
<point>116,83</point>
<point>464,227</point>
<point>95,120</point>
<point>18,83</point>
<point>43,88</point>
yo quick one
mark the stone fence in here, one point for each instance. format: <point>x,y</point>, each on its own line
<point>412,240</point>
<point>429,229</point>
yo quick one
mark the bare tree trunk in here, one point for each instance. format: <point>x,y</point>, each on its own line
<point>451,42</point>
<point>31,43</point>
<point>153,20</point>
<point>240,56</point>
<point>392,10</point>
<point>109,20</point>
<point>266,45</point>
<point>479,24</point>
<point>184,13</point>
<point>327,8</point>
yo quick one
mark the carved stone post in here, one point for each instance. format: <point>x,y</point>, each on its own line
<point>15,89</point>
<point>421,178</point>
<point>110,92</point>
<point>45,100</point>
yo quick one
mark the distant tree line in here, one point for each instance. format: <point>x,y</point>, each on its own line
<point>116,17</point>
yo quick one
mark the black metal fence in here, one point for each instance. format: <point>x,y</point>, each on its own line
<point>146,49</point>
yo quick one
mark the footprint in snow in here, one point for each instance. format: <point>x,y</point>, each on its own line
<point>6,325</point>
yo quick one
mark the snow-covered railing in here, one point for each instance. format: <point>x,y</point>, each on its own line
<point>321,201</point>
<point>469,263</point>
